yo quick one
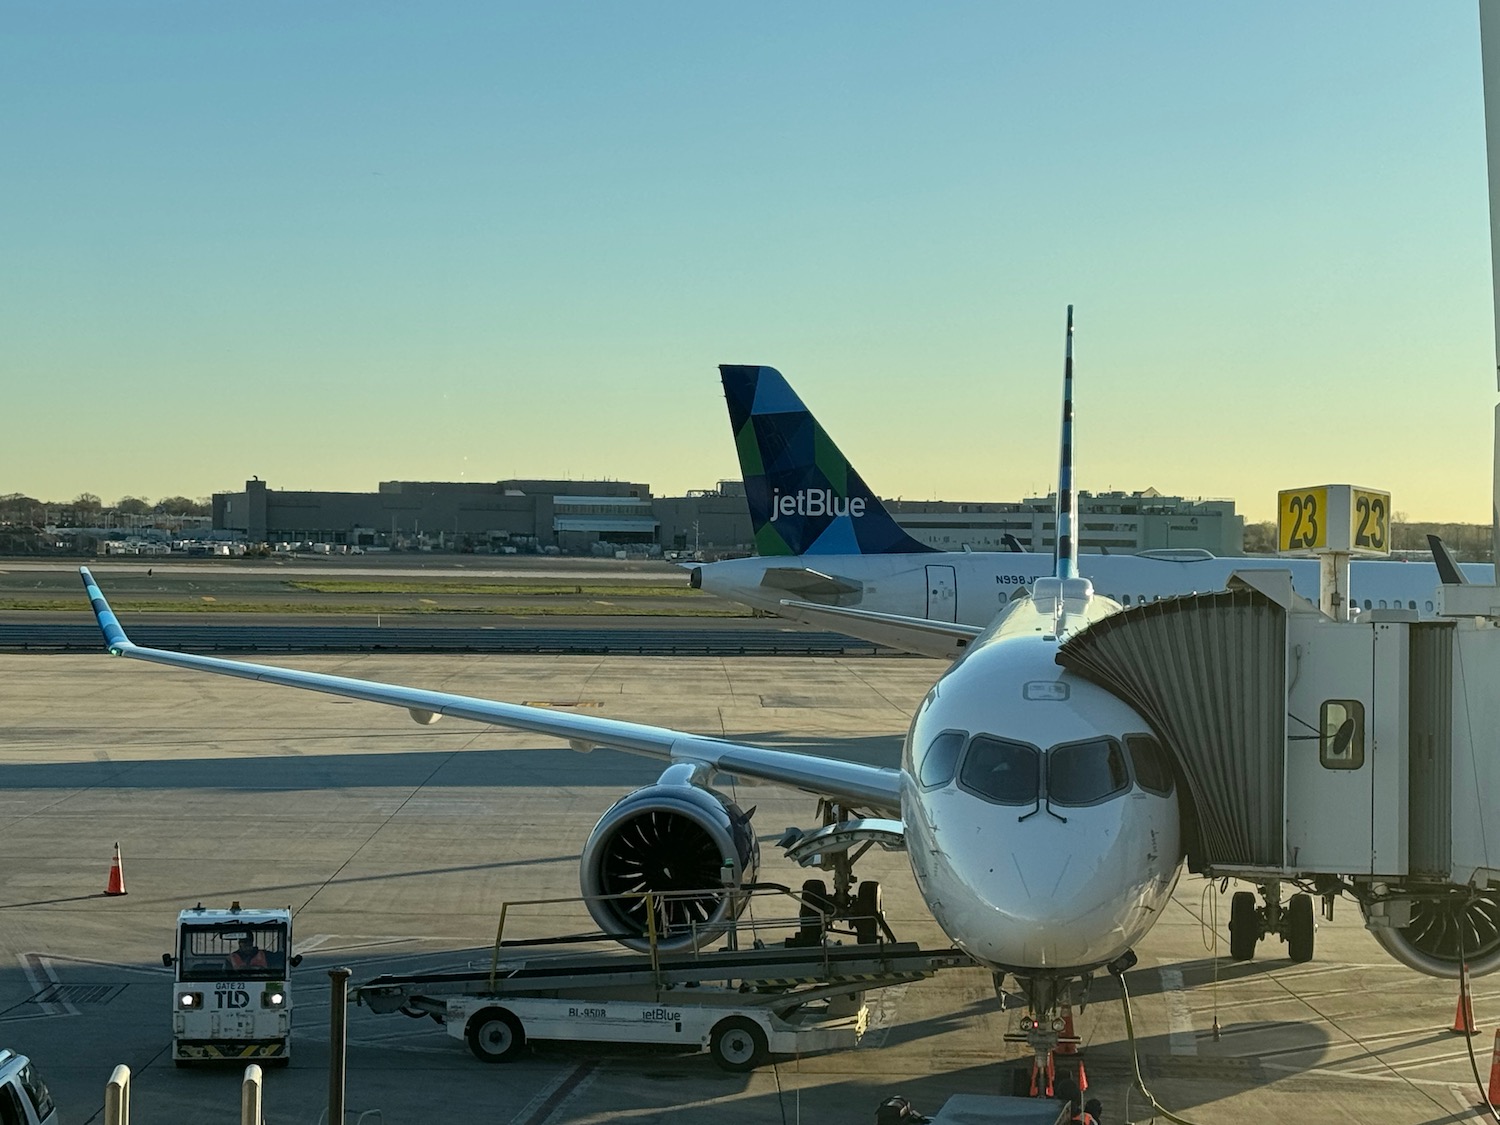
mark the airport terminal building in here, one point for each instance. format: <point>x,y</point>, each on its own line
<point>604,517</point>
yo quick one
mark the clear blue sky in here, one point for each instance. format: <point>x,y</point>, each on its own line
<point>335,244</point>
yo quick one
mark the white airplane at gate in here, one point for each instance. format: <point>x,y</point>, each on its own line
<point>1040,814</point>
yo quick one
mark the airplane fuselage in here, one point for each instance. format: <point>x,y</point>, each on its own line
<point>971,587</point>
<point>1041,832</point>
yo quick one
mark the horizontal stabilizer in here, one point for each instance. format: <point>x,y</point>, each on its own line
<point>919,635</point>
<point>806,583</point>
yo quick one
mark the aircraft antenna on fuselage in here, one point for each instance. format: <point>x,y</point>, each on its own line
<point>1065,556</point>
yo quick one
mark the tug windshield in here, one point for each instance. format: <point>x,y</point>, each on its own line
<point>237,951</point>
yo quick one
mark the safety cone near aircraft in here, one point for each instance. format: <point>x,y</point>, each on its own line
<point>116,884</point>
<point>1463,1015</point>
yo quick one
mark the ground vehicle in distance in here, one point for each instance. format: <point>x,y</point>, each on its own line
<point>24,1097</point>
<point>232,997</point>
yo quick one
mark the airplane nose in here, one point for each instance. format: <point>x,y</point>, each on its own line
<point>695,578</point>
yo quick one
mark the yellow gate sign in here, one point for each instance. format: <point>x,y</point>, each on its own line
<point>1302,519</point>
<point>1333,517</point>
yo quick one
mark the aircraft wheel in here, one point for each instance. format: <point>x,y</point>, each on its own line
<point>815,910</point>
<point>495,1035</point>
<point>867,912</point>
<point>1299,928</point>
<point>738,1044</point>
<point>1244,929</point>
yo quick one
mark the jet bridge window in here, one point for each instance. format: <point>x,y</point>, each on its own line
<point>1008,773</point>
<point>1341,745</point>
<point>1153,772</point>
<point>1083,773</point>
<point>939,762</point>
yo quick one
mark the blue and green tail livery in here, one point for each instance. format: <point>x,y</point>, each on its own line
<point>805,498</point>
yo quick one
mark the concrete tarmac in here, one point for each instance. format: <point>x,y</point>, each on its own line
<point>396,844</point>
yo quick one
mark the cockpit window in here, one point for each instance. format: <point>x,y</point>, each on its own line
<point>1153,772</point>
<point>1006,772</point>
<point>1084,772</point>
<point>937,764</point>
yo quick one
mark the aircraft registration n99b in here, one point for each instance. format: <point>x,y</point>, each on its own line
<point>1037,809</point>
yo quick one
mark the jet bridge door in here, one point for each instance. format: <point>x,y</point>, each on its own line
<point>942,594</point>
<point>1347,780</point>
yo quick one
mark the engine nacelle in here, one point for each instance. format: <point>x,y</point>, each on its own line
<point>1441,932</point>
<point>691,846</point>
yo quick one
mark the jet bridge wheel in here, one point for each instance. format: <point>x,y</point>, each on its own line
<point>495,1035</point>
<point>1244,926</point>
<point>1299,928</point>
<point>738,1044</point>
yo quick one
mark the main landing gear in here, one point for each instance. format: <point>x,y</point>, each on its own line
<point>1248,923</point>
<point>842,839</point>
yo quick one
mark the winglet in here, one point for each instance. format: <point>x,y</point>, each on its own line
<point>114,636</point>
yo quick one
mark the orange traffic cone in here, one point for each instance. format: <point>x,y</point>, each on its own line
<point>1083,1079</point>
<point>116,884</point>
<point>1463,1015</point>
<point>1065,1047</point>
<point>1494,1091</point>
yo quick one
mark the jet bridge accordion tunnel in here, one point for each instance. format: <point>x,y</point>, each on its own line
<point>1351,756</point>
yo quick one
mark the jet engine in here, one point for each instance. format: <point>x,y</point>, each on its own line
<point>1443,932</point>
<point>692,847</point>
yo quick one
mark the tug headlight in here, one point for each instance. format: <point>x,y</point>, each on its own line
<point>273,998</point>
<point>187,1000</point>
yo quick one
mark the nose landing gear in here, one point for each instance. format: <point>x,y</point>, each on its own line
<point>1293,923</point>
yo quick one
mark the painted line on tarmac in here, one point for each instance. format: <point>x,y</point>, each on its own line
<point>1180,1033</point>
<point>556,1094</point>
<point>1330,1072</point>
<point>41,975</point>
<point>1467,1105</point>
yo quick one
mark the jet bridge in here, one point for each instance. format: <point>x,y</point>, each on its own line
<point>1343,756</point>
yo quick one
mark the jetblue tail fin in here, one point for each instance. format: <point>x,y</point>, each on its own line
<point>805,498</point>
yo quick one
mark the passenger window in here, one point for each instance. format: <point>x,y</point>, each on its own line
<point>1342,742</point>
<point>1127,600</point>
<point>1085,772</point>
<point>938,763</point>
<point>1006,772</point>
<point>1367,603</point>
<point>1429,606</point>
<point>1153,772</point>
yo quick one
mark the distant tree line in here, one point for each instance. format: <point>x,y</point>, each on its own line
<point>19,510</point>
<point>1471,542</point>
<point>23,519</point>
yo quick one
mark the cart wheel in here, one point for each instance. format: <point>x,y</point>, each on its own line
<point>495,1035</point>
<point>867,912</point>
<point>1299,928</point>
<point>738,1044</point>
<point>815,909</point>
<point>1244,930</point>
<point>183,1062</point>
<point>280,1062</point>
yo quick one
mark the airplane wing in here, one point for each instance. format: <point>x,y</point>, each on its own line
<point>946,639</point>
<point>850,782</point>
